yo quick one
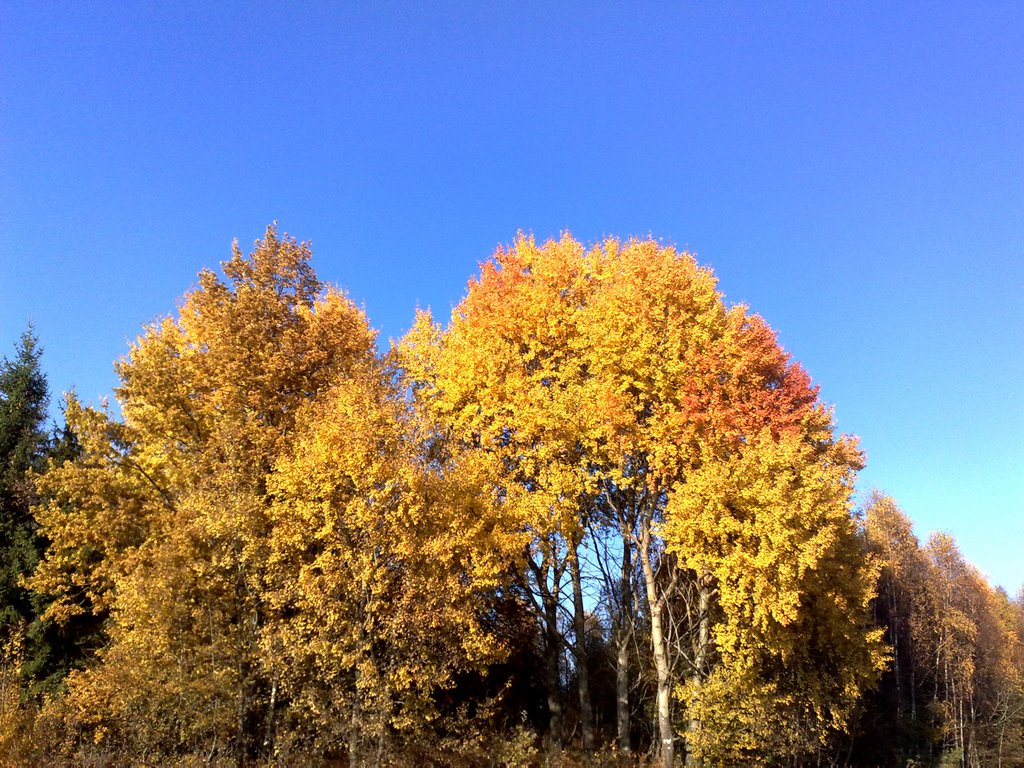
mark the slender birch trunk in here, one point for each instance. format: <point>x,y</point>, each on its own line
<point>662,668</point>
<point>700,651</point>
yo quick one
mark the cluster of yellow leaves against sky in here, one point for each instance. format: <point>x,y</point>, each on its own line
<point>574,371</point>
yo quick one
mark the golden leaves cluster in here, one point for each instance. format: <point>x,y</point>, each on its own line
<point>579,372</point>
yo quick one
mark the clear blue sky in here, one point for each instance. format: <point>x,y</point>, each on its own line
<point>853,171</point>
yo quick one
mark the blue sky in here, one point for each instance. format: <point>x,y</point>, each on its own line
<point>854,172</point>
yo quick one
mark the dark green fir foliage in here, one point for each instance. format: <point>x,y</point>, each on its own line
<point>24,443</point>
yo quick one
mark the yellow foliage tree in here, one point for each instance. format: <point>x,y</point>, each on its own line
<point>380,565</point>
<point>771,529</point>
<point>956,685</point>
<point>163,525</point>
<point>613,384</point>
<point>979,688</point>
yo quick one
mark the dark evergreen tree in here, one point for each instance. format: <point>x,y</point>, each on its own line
<point>24,397</point>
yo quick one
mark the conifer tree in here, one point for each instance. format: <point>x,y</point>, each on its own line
<point>24,397</point>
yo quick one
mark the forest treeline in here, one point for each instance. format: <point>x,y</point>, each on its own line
<point>600,517</point>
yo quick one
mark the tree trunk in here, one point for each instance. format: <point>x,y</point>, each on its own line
<point>895,618</point>
<point>582,674</point>
<point>666,740</point>
<point>622,693</point>
<point>552,651</point>
<point>355,726</point>
<point>268,738</point>
<point>913,668</point>
<point>703,639</point>
<point>355,721</point>
<point>623,637</point>
<point>241,707</point>
<point>544,594</point>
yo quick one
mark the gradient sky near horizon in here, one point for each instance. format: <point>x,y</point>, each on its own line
<point>852,171</point>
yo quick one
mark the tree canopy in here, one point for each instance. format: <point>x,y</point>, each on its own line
<point>600,515</point>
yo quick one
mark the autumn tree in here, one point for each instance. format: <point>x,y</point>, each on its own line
<point>1009,723</point>
<point>771,528</point>
<point>700,398</point>
<point>289,548</point>
<point>998,711</point>
<point>953,689</point>
<point>161,527</point>
<point>383,560</point>
<point>613,384</point>
<point>899,721</point>
<point>977,684</point>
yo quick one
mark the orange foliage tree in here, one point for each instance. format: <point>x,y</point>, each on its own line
<point>613,384</point>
